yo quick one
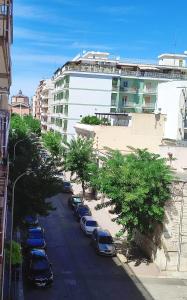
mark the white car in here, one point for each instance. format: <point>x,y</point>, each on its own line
<point>88,224</point>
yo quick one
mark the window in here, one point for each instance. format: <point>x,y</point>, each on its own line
<point>125,84</point>
<point>113,110</point>
<point>124,101</point>
<point>66,110</point>
<point>65,124</point>
<point>113,99</point>
<point>54,109</point>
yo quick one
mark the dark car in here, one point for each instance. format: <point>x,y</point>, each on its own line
<point>38,268</point>
<point>82,210</point>
<point>67,187</point>
<point>73,201</point>
<point>103,242</point>
<point>31,221</point>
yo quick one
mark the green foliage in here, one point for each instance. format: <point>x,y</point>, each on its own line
<point>93,120</point>
<point>33,124</point>
<point>52,141</point>
<point>78,159</point>
<point>16,257</point>
<point>22,126</point>
<point>138,186</point>
<point>31,192</point>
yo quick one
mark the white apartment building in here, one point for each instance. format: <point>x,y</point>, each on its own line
<point>94,82</point>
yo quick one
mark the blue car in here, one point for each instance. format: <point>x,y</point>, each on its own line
<point>31,221</point>
<point>35,239</point>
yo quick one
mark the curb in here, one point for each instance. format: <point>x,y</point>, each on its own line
<point>134,278</point>
<point>20,281</point>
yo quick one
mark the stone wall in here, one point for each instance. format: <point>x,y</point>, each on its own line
<point>168,248</point>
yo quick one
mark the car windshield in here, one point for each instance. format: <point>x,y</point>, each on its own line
<point>105,240</point>
<point>77,200</point>
<point>38,265</point>
<point>91,223</point>
<point>67,184</point>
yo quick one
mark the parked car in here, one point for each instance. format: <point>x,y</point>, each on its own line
<point>82,210</point>
<point>67,187</point>
<point>88,224</point>
<point>34,239</point>
<point>34,243</point>
<point>31,221</point>
<point>38,268</point>
<point>73,201</point>
<point>103,242</point>
<point>35,233</point>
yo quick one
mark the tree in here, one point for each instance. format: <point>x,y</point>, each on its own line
<point>31,192</point>
<point>138,185</point>
<point>16,257</point>
<point>93,120</point>
<point>78,158</point>
<point>53,142</point>
<point>33,124</point>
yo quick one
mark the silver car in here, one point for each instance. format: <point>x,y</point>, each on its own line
<point>103,242</point>
<point>88,224</point>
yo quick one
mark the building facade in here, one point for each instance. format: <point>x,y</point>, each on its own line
<point>5,82</point>
<point>20,104</point>
<point>95,82</point>
<point>42,103</point>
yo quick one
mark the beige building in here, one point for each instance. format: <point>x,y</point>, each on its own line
<point>5,82</point>
<point>20,104</point>
<point>42,103</point>
<point>134,130</point>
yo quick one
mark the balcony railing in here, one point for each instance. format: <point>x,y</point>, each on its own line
<point>148,105</point>
<point>150,91</point>
<point>6,20</point>
<point>129,90</point>
<point>121,72</point>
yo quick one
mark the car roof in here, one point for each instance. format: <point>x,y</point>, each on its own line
<point>103,232</point>
<point>31,217</point>
<point>89,218</point>
<point>35,229</point>
<point>38,252</point>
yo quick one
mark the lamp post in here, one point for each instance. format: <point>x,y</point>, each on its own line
<point>14,155</point>
<point>27,172</point>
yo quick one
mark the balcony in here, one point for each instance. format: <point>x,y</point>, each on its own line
<point>152,91</point>
<point>148,107</point>
<point>132,90</point>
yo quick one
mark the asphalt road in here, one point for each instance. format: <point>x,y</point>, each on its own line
<point>79,273</point>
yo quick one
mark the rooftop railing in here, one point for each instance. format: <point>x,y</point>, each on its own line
<point>122,72</point>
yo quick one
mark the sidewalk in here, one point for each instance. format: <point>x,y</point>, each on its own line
<point>153,283</point>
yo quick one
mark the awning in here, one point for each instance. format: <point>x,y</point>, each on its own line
<point>148,68</point>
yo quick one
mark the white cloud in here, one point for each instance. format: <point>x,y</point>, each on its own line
<point>80,45</point>
<point>39,58</point>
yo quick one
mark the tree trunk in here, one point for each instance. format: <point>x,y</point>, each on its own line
<point>83,189</point>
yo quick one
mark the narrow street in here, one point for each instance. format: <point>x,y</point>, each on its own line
<point>79,274</point>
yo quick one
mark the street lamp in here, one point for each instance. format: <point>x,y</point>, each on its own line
<point>27,172</point>
<point>14,155</point>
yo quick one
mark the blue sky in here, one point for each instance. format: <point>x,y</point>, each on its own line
<point>48,33</point>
